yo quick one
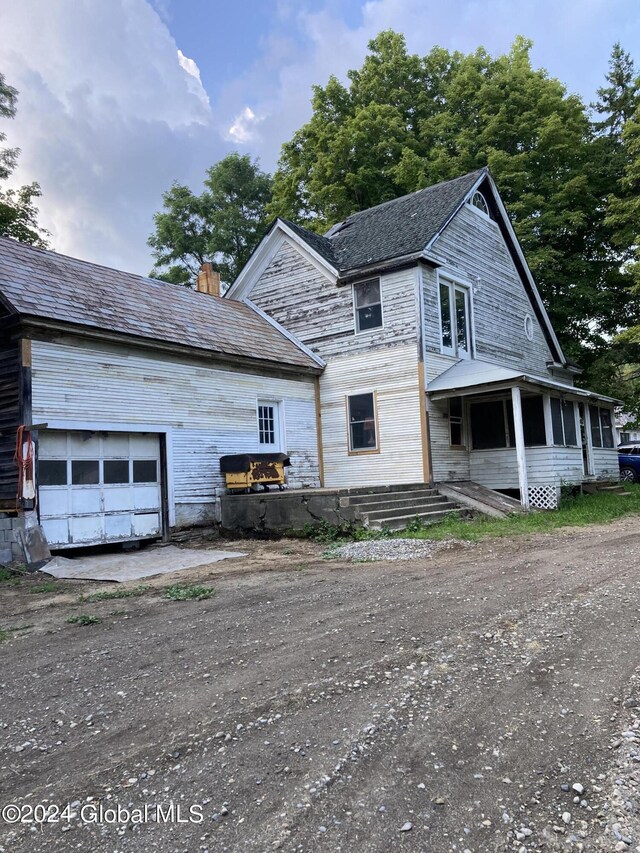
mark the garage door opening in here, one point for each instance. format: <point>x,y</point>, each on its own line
<point>99,487</point>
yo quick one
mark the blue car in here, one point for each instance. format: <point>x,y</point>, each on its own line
<point>629,462</point>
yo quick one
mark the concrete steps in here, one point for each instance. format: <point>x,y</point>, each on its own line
<point>397,506</point>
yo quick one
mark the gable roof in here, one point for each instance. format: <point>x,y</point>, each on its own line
<point>41,284</point>
<point>402,226</point>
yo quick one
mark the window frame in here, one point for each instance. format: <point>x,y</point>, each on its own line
<point>459,420</point>
<point>456,285</point>
<point>356,316</point>
<point>487,213</point>
<point>576,421</point>
<point>365,450</point>
<point>278,426</point>
<point>600,410</point>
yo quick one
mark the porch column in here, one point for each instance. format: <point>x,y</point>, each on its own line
<point>591,467</point>
<point>521,455</point>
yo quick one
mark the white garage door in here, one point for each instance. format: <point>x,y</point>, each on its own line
<point>98,487</point>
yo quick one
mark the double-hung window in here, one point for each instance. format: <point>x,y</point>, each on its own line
<point>367,304</point>
<point>361,415</point>
<point>268,426</point>
<point>601,427</point>
<point>455,319</point>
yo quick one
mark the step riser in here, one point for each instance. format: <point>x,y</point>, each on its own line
<point>404,494</point>
<point>401,523</point>
<point>443,506</point>
<point>400,505</point>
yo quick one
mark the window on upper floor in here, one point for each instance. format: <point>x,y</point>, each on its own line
<point>601,427</point>
<point>367,304</point>
<point>480,203</point>
<point>455,322</point>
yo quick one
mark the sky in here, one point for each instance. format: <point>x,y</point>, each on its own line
<point>119,98</point>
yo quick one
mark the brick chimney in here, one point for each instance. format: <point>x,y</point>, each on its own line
<point>208,280</point>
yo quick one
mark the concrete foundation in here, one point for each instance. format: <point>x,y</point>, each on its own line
<point>282,511</point>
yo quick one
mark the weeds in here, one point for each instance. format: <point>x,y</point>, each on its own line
<point>109,595</point>
<point>4,635</point>
<point>84,619</point>
<point>47,586</point>
<point>188,592</point>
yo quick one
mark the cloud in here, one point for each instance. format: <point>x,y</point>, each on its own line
<point>109,114</point>
<point>243,129</point>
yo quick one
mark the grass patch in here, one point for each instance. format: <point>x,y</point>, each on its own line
<point>84,619</point>
<point>188,592</point>
<point>579,511</point>
<point>46,586</point>
<point>4,635</point>
<point>111,594</point>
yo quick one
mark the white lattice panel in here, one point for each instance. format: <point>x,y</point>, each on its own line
<point>543,497</point>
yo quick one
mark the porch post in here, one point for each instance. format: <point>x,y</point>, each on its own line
<point>591,468</point>
<point>521,455</point>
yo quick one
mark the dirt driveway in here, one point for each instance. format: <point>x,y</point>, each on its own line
<point>313,705</point>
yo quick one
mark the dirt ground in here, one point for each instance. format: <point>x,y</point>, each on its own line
<point>313,705</point>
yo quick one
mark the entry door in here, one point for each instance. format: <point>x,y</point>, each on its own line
<point>96,487</point>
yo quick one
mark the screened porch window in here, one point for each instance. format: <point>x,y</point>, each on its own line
<point>361,412</point>
<point>456,434</point>
<point>454,319</point>
<point>368,305</point>
<point>563,420</point>
<point>492,424</point>
<point>601,427</point>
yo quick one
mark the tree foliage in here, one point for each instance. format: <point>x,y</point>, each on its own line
<point>18,212</point>
<point>223,225</point>
<point>404,122</point>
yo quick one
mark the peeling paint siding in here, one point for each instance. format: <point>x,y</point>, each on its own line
<point>473,246</point>
<point>393,374</point>
<point>209,411</point>
<point>605,461</point>
<point>320,314</point>
<point>448,463</point>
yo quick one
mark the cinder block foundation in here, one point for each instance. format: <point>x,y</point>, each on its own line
<point>10,547</point>
<point>280,512</point>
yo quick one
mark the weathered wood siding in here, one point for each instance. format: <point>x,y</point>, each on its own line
<point>385,360</point>
<point>9,417</point>
<point>205,411</point>
<point>448,463</point>
<point>605,461</point>
<point>320,313</point>
<point>472,246</point>
<point>393,375</point>
<point>546,466</point>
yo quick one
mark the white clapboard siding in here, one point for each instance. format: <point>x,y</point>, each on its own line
<point>472,246</point>
<point>205,411</point>
<point>448,463</point>
<point>393,374</point>
<point>320,313</point>
<point>605,461</point>
<point>498,469</point>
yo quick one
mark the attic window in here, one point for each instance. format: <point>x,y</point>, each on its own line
<point>480,203</point>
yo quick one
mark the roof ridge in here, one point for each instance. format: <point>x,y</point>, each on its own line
<point>358,213</point>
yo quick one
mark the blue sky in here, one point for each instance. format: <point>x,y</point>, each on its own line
<point>118,98</point>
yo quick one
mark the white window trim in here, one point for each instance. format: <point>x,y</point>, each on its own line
<point>278,405</point>
<point>576,417</point>
<point>466,286</point>
<point>377,329</point>
<point>477,209</point>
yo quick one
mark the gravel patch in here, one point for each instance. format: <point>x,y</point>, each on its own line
<point>397,549</point>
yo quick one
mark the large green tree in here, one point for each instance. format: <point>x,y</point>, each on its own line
<point>403,122</point>
<point>18,212</point>
<point>223,224</point>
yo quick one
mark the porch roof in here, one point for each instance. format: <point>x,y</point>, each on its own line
<point>472,376</point>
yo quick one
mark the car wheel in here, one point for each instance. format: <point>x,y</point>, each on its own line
<point>628,475</point>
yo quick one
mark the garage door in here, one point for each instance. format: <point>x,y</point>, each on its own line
<point>98,487</point>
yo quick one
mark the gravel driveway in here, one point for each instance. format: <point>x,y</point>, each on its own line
<point>481,699</point>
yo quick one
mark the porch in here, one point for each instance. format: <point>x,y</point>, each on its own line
<point>530,434</point>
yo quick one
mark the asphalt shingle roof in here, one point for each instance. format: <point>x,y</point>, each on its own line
<point>399,227</point>
<point>43,284</point>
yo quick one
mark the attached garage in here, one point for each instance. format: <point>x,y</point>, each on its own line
<point>99,487</point>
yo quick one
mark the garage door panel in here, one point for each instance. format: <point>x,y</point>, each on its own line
<point>54,502</point>
<point>84,445</point>
<point>146,524</point>
<point>118,526</point>
<point>117,498</point>
<point>146,497</point>
<point>116,446</point>
<point>52,444</point>
<point>144,445</point>
<point>85,500</point>
<point>56,530</point>
<point>86,528</point>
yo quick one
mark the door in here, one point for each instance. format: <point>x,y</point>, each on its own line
<point>98,487</point>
